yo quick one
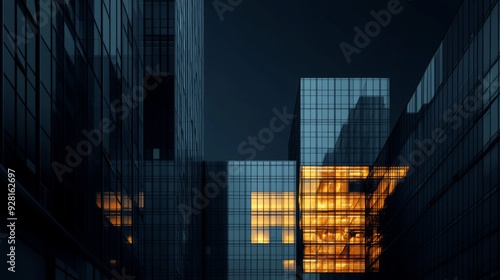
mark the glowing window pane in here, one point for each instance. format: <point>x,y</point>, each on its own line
<point>289,265</point>
<point>333,216</point>
<point>272,209</point>
<point>260,236</point>
<point>288,236</point>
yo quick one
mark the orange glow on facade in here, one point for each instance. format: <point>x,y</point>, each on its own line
<point>272,209</point>
<point>333,214</point>
<point>117,208</point>
<point>289,265</point>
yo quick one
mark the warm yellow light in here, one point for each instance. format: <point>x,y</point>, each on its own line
<point>260,236</point>
<point>110,201</point>
<point>118,220</point>
<point>113,204</point>
<point>129,239</point>
<point>127,220</point>
<point>289,220</point>
<point>289,265</point>
<point>288,236</point>
<point>333,217</point>
<point>351,172</point>
<point>272,209</point>
<point>141,200</point>
<point>337,265</point>
<point>272,201</point>
<point>276,220</point>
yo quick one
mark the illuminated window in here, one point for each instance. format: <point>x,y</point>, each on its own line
<point>114,204</point>
<point>333,217</point>
<point>272,209</point>
<point>289,265</point>
<point>260,236</point>
<point>288,236</point>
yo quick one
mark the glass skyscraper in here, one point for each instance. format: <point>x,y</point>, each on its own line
<point>71,128</point>
<point>160,211</point>
<point>442,221</point>
<point>104,146</point>
<point>173,138</point>
<point>341,121</point>
<point>341,126</point>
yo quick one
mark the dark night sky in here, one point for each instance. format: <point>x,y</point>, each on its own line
<point>256,56</point>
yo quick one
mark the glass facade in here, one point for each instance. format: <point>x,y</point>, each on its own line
<point>258,215</point>
<point>333,219</point>
<point>160,211</point>
<point>343,121</point>
<point>442,221</point>
<point>159,34</point>
<point>71,128</point>
<point>342,125</point>
<point>160,218</point>
<point>333,215</point>
<point>159,43</point>
<point>189,125</point>
<point>215,216</point>
<point>106,146</point>
<point>173,138</point>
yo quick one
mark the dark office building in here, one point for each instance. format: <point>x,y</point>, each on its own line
<point>215,220</point>
<point>71,128</point>
<point>160,209</point>
<point>159,51</point>
<point>173,138</point>
<point>189,127</point>
<point>442,221</point>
